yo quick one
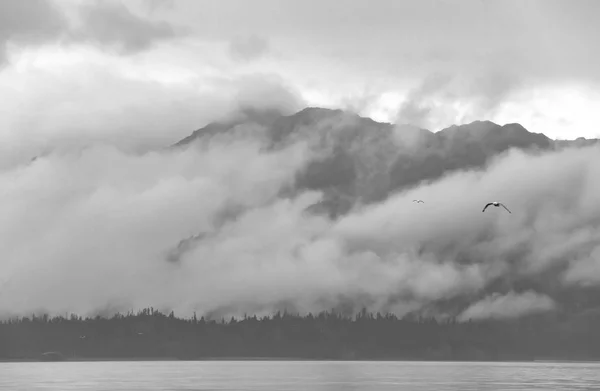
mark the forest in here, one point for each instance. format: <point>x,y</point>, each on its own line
<point>150,334</point>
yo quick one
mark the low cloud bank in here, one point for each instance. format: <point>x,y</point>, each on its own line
<point>95,231</point>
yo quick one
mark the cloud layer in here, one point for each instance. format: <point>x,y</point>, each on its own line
<point>109,25</point>
<point>107,217</point>
<point>511,305</point>
<point>96,229</point>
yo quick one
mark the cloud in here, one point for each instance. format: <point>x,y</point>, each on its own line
<point>248,48</point>
<point>112,25</point>
<point>442,98</point>
<point>100,222</point>
<point>28,23</point>
<point>511,305</point>
<point>109,25</point>
<point>267,91</point>
<point>77,223</point>
<point>94,105</point>
<point>417,107</point>
<point>406,40</point>
<point>502,59</point>
<point>154,5</point>
<point>375,48</point>
<point>586,271</point>
<point>195,229</point>
<point>88,100</point>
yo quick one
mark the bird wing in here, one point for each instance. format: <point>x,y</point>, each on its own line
<point>504,206</point>
<point>486,205</point>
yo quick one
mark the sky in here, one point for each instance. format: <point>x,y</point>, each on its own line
<point>97,90</point>
<point>145,73</point>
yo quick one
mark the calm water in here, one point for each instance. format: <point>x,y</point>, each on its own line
<point>285,375</point>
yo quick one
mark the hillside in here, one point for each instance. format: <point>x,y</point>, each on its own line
<point>361,161</point>
<point>150,334</point>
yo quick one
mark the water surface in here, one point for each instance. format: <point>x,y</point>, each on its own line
<point>299,375</point>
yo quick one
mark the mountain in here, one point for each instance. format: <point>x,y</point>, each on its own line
<point>578,142</point>
<point>361,161</point>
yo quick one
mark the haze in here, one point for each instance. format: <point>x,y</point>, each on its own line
<point>97,208</point>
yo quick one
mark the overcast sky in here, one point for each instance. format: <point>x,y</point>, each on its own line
<point>144,73</point>
<point>91,225</point>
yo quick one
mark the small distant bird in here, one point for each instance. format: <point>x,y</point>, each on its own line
<point>496,204</point>
<point>419,201</point>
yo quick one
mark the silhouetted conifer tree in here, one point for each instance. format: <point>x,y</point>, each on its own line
<point>149,333</point>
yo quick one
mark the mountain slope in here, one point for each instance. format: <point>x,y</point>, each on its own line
<point>362,161</point>
<point>359,161</point>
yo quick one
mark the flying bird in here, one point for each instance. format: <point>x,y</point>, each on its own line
<point>496,204</point>
<point>419,201</point>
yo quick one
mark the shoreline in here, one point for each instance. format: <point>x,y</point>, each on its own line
<point>234,359</point>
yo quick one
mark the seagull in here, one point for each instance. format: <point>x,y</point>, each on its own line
<point>496,204</point>
<point>419,201</point>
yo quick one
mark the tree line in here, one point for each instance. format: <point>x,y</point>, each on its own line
<point>151,334</point>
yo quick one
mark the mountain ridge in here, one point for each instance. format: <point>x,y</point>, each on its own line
<point>315,111</point>
<point>362,161</point>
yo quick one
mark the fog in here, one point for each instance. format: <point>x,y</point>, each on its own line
<point>95,229</point>
<point>99,213</point>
